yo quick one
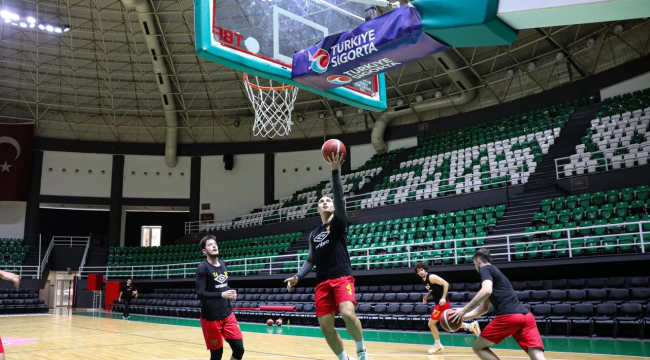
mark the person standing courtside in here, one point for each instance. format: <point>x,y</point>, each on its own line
<point>512,318</point>
<point>328,251</point>
<point>217,319</point>
<point>127,293</point>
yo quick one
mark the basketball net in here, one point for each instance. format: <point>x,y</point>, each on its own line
<point>272,104</point>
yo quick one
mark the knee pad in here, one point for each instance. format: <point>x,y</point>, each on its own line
<point>237,346</point>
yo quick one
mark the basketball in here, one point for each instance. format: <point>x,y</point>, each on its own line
<point>278,322</point>
<point>133,293</point>
<point>269,322</point>
<point>333,146</point>
<point>446,323</point>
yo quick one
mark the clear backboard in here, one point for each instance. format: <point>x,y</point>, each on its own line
<point>261,36</point>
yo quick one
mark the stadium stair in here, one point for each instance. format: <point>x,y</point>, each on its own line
<point>97,257</point>
<point>542,184</point>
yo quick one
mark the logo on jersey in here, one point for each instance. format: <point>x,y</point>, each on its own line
<point>322,236</point>
<point>221,278</point>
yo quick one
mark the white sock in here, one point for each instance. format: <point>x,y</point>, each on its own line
<point>342,356</point>
<point>360,346</point>
<point>467,326</point>
<point>437,343</point>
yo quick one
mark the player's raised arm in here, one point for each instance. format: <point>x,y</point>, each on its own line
<point>337,188</point>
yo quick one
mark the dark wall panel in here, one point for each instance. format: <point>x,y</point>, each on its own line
<point>63,258</point>
<point>173,226</point>
<point>59,222</point>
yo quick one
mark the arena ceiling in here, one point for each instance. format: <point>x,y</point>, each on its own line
<point>95,82</point>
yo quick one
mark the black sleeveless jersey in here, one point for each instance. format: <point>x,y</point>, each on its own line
<point>435,290</point>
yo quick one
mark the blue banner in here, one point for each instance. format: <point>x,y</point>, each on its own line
<point>376,46</point>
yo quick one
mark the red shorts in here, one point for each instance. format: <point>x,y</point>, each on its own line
<point>2,348</point>
<point>522,328</point>
<point>215,331</point>
<point>330,293</point>
<point>437,311</point>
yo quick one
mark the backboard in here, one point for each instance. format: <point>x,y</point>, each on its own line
<point>260,37</point>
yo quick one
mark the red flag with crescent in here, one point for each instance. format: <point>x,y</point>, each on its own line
<point>15,160</point>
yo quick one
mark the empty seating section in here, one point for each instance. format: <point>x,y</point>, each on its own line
<point>255,248</point>
<point>303,203</point>
<point>21,301</point>
<point>615,221</point>
<point>617,138</point>
<point>482,157</point>
<point>181,260</point>
<point>602,307</point>
<point>122,259</point>
<point>443,239</point>
<point>12,254</point>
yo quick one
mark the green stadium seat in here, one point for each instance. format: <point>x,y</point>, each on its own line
<point>609,245</point>
<point>558,203</point>
<point>622,209</point>
<point>642,192</point>
<point>612,197</point>
<point>606,211</point>
<point>598,198</point>
<point>571,202</point>
<point>538,218</point>
<point>551,217</point>
<point>584,200</point>
<point>627,195</point>
<point>565,216</point>
<point>600,230</point>
<point>546,205</point>
<point>578,214</point>
<point>626,243</point>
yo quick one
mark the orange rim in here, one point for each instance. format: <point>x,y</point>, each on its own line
<point>266,88</point>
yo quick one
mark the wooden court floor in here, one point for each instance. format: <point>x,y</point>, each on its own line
<point>66,336</point>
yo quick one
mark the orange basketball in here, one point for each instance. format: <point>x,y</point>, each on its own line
<point>333,146</point>
<point>278,322</point>
<point>447,324</point>
<point>269,322</point>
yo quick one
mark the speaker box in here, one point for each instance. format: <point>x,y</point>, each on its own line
<point>228,160</point>
<point>95,282</point>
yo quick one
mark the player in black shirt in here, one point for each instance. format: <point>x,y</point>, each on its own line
<point>438,288</point>
<point>128,292</point>
<point>335,284</point>
<point>217,319</point>
<point>512,318</point>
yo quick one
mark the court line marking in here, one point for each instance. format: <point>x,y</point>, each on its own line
<point>382,342</point>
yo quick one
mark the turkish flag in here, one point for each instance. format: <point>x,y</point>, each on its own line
<point>15,160</point>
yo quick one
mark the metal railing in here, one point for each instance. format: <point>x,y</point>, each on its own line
<point>62,241</point>
<point>235,223</point>
<point>83,260</point>
<point>560,163</point>
<point>504,248</point>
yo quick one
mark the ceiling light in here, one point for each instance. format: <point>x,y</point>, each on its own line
<point>9,15</point>
<point>360,111</point>
<point>437,94</point>
<point>419,98</point>
<point>301,119</point>
<point>530,66</point>
<point>339,113</point>
<point>510,73</point>
<point>49,28</point>
<point>31,20</point>
<point>23,25</point>
<point>7,20</point>
<point>399,102</point>
<point>321,116</point>
<point>58,30</point>
<point>32,25</point>
<point>65,29</point>
<point>559,56</point>
<point>41,26</point>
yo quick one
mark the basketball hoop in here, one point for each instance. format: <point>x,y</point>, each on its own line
<point>273,106</point>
